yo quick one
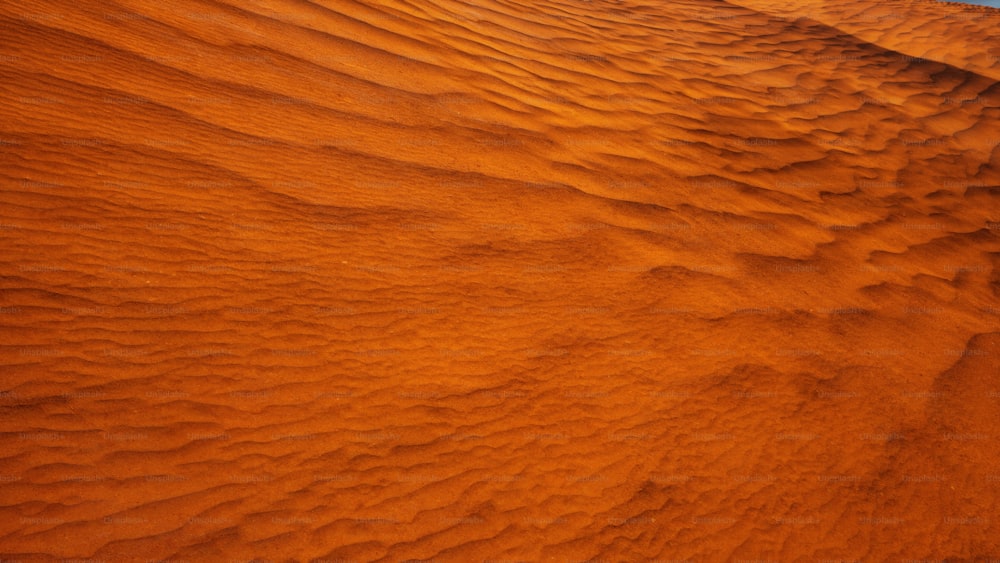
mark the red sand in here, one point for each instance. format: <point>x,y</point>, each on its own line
<point>508,281</point>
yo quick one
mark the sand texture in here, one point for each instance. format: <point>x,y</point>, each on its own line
<point>556,281</point>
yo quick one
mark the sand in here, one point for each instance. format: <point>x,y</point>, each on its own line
<point>510,281</point>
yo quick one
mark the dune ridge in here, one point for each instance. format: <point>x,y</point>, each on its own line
<point>506,281</point>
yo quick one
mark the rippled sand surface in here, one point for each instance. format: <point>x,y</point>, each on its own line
<point>511,281</point>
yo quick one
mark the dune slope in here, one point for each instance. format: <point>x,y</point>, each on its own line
<point>511,281</point>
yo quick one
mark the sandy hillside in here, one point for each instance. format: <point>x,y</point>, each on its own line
<point>499,281</point>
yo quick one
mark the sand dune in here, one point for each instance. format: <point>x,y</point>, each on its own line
<point>507,281</point>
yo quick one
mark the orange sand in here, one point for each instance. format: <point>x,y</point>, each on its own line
<point>521,281</point>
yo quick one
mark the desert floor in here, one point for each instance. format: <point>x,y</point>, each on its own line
<point>608,280</point>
